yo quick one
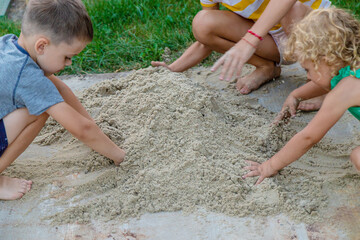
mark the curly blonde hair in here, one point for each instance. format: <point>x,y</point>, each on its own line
<point>331,34</point>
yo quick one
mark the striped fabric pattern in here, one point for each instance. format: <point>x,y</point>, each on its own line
<point>252,9</point>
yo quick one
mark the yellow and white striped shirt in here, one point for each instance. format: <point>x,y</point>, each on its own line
<point>252,9</point>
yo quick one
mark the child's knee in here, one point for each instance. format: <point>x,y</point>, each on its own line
<point>355,158</point>
<point>295,14</point>
<point>201,25</point>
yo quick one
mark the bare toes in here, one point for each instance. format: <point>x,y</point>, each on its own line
<point>257,78</point>
<point>245,90</point>
<point>28,186</point>
<point>13,188</point>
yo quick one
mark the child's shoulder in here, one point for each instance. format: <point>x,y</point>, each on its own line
<point>346,88</point>
<point>7,39</point>
<point>345,74</point>
<point>9,48</point>
<point>11,59</point>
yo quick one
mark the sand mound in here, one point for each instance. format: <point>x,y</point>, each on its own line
<point>186,145</point>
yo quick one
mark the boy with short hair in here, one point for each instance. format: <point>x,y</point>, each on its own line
<point>52,32</point>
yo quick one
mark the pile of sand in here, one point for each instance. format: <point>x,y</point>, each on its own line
<point>186,145</point>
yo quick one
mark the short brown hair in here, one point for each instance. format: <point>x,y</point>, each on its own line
<point>62,20</point>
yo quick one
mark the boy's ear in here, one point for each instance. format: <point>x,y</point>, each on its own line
<point>40,45</point>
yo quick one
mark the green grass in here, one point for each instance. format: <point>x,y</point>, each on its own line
<point>130,34</point>
<point>352,5</point>
<point>7,26</point>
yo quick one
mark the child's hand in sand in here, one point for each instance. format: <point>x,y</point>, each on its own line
<point>288,109</point>
<point>160,64</point>
<point>121,158</point>
<point>234,60</point>
<point>263,170</point>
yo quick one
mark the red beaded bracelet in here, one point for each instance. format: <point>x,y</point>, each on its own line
<point>249,42</point>
<point>252,33</point>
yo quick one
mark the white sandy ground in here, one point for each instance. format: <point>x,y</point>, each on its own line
<point>187,136</point>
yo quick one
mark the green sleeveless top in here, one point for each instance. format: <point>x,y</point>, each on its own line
<point>345,72</point>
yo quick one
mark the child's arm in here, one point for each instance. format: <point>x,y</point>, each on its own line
<point>86,131</point>
<point>191,57</point>
<point>68,96</point>
<point>307,91</point>
<point>234,59</point>
<point>25,138</point>
<point>330,112</point>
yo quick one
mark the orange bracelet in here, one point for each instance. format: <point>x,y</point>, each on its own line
<point>248,42</point>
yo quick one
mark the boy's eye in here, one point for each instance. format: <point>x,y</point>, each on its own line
<point>67,58</point>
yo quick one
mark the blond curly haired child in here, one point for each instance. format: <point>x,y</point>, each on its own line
<point>327,44</point>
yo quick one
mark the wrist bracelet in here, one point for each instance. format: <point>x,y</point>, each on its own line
<point>249,42</point>
<point>254,34</point>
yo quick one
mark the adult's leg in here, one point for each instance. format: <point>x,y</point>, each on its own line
<point>220,30</point>
<point>21,129</point>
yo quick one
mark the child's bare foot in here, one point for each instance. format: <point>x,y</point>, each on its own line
<point>258,77</point>
<point>312,104</point>
<point>13,188</point>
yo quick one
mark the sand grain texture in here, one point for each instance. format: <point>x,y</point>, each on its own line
<point>186,140</point>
